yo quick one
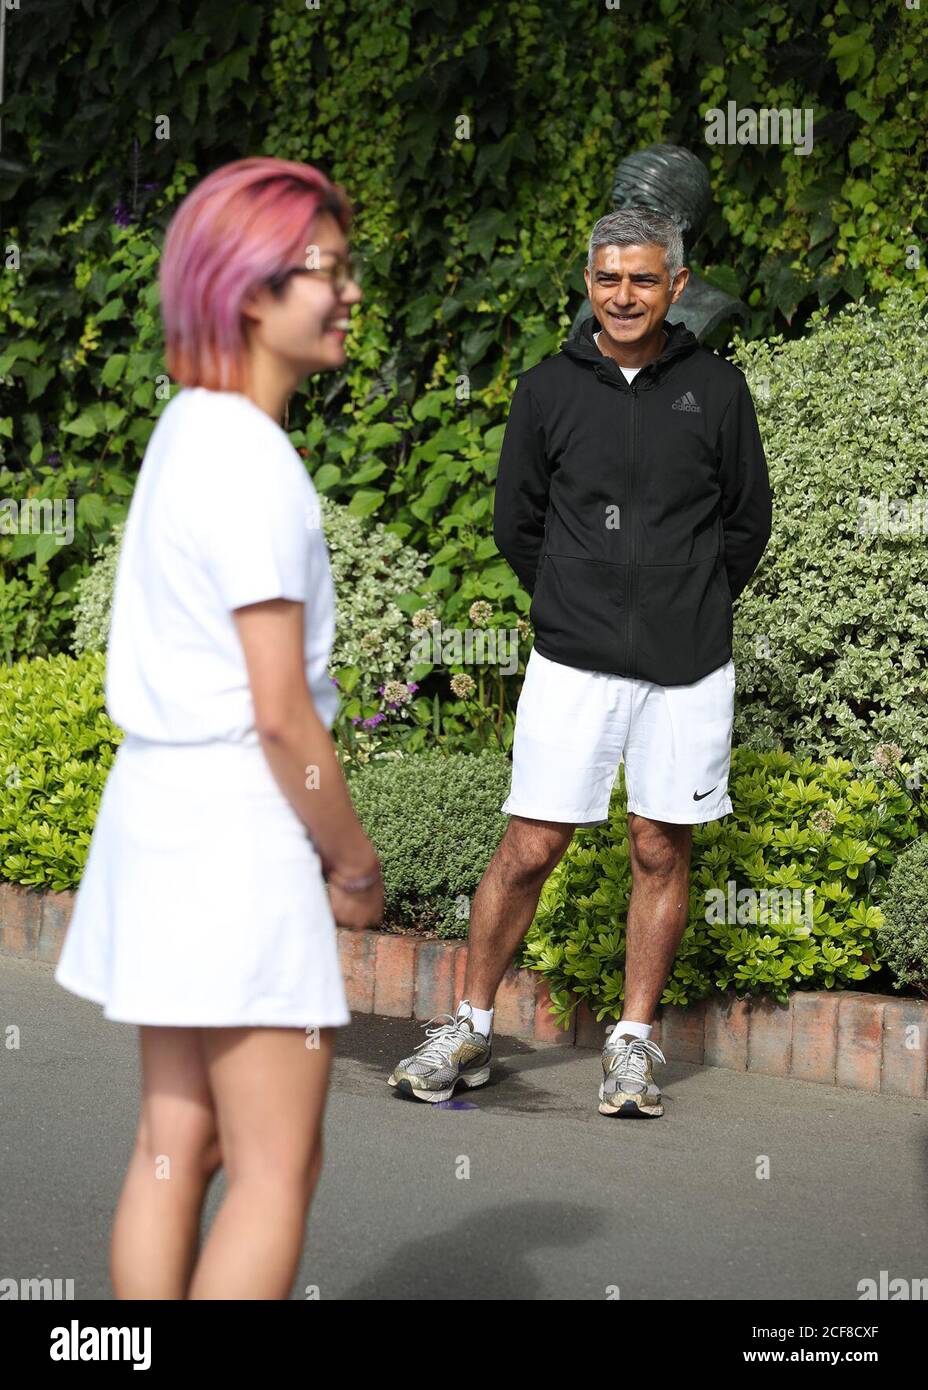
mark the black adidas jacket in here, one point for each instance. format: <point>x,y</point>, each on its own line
<point>633,513</point>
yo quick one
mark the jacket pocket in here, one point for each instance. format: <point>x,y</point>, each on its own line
<point>579,613</point>
<point>682,623</point>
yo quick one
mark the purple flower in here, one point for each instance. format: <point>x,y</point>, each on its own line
<point>374,720</point>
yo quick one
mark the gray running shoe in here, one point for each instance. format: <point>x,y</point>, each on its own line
<point>628,1088</point>
<point>452,1052</point>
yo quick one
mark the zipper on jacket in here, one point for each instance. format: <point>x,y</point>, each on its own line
<point>631,585</point>
<point>631,571</point>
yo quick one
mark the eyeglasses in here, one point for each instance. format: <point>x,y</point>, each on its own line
<point>341,271</point>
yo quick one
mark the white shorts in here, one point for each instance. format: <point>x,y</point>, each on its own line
<point>574,728</point>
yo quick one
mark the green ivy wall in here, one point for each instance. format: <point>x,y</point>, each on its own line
<point>473,246</point>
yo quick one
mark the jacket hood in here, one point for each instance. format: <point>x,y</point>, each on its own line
<point>582,349</point>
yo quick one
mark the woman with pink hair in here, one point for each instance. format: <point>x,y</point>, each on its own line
<point>226,846</point>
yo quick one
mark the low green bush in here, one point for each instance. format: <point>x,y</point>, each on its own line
<point>57,744</point>
<point>904,938</point>
<point>435,822</point>
<point>800,828</point>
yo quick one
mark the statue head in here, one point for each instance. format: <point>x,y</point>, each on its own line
<point>669,180</point>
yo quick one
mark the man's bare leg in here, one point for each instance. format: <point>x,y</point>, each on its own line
<point>657,911</point>
<point>506,899</point>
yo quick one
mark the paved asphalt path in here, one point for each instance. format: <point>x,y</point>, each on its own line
<point>560,1202</point>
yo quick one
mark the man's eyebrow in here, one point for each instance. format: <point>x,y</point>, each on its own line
<point>634,274</point>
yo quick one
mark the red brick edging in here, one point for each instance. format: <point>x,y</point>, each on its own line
<point>870,1042</point>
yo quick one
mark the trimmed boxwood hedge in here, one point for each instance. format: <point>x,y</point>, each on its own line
<point>904,938</point>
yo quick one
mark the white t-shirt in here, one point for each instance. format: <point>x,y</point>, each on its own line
<point>223,514</point>
<point>627,372</point>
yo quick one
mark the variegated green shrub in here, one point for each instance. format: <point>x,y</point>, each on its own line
<point>831,636</point>
<point>93,596</point>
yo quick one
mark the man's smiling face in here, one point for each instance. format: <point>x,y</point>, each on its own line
<point>630,292</point>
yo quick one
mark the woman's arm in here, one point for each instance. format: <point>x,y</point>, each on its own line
<point>295,739</point>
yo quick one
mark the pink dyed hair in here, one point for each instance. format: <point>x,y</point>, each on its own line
<point>244,223</point>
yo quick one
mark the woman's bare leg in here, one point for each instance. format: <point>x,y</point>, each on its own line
<point>269,1089</point>
<point>155,1229</point>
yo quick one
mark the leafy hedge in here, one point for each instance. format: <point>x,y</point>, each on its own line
<point>797,826</point>
<point>435,820</point>
<point>370,568</point>
<point>829,638</point>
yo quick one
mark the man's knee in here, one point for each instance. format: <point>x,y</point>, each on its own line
<point>658,849</point>
<point>531,851</point>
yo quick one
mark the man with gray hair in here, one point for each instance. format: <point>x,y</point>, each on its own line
<point>633,502</point>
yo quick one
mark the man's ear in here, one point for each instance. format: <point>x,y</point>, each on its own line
<point>679,284</point>
<point>586,276</point>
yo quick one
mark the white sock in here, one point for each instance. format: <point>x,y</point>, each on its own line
<point>640,1030</point>
<point>482,1019</point>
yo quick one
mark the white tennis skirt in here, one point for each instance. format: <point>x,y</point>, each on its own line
<point>202,901</point>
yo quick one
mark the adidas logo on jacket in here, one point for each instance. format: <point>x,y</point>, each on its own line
<point>677,455</point>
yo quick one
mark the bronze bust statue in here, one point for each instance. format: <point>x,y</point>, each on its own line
<point>673,181</point>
